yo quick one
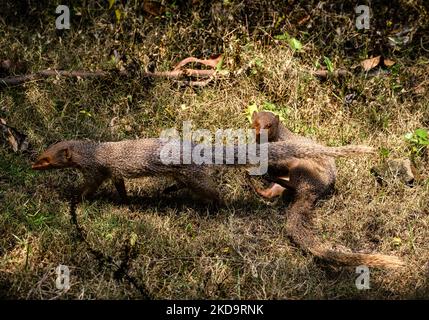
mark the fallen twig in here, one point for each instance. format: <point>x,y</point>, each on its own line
<point>180,73</point>
<point>324,74</point>
<point>191,83</point>
<point>17,80</point>
<point>208,62</point>
<point>177,72</point>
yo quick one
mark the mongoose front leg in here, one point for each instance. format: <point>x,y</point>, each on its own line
<point>92,183</point>
<point>120,187</point>
<point>203,186</point>
<point>274,191</point>
<point>174,187</point>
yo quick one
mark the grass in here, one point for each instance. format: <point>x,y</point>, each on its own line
<point>241,251</point>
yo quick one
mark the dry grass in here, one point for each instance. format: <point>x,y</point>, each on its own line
<point>241,251</point>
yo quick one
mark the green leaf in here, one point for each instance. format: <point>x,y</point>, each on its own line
<point>111,3</point>
<point>118,15</point>
<point>384,152</point>
<point>284,36</point>
<point>219,64</point>
<point>258,62</point>
<point>418,140</point>
<point>249,111</point>
<point>133,239</point>
<point>269,106</point>
<point>295,44</point>
<point>421,133</point>
<point>396,241</point>
<point>281,112</point>
<point>85,113</point>
<point>329,64</point>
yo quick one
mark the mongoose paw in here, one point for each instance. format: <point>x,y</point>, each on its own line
<point>171,189</point>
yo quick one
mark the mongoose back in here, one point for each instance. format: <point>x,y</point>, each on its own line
<point>138,158</point>
<point>308,179</point>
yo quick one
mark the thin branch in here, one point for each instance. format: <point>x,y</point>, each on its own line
<point>192,83</point>
<point>207,62</point>
<point>181,73</point>
<point>177,72</point>
<point>17,80</point>
<point>324,74</point>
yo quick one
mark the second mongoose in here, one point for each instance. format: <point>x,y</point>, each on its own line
<point>308,179</point>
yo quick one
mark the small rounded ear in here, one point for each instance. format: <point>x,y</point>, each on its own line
<point>254,115</point>
<point>278,117</point>
<point>67,154</point>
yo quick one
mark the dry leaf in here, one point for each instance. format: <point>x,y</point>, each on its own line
<point>6,64</point>
<point>324,74</point>
<point>304,20</point>
<point>388,62</point>
<point>370,63</point>
<point>154,8</point>
<point>17,140</point>
<point>420,89</point>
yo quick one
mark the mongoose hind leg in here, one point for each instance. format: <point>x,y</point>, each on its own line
<point>274,191</point>
<point>91,186</point>
<point>271,192</point>
<point>203,186</point>
<point>174,187</point>
<point>122,191</point>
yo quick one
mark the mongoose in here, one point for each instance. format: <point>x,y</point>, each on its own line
<point>138,158</point>
<point>308,179</point>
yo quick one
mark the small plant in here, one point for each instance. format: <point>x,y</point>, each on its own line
<point>267,106</point>
<point>85,113</point>
<point>118,13</point>
<point>419,140</point>
<point>384,152</point>
<point>249,111</point>
<point>329,64</point>
<point>294,43</point>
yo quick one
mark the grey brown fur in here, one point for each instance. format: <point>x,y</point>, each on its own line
<point>308,179</point>
<point>138,158</point>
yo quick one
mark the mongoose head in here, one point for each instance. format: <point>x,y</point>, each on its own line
<point>58,155</point>
<point>268,121</point>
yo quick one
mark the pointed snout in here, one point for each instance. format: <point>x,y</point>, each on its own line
<point>40,165</point>
<point>36,166</point>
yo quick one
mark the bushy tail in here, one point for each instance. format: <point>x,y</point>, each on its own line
<point>283,149</point>
<point>277,151</point>
<point>298,228</point>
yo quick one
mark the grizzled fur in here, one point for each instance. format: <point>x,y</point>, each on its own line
<point>139,158</point>
<point>308,179</point>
